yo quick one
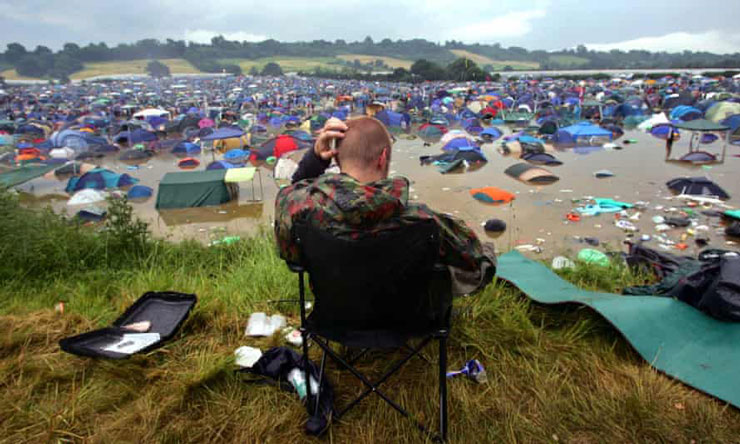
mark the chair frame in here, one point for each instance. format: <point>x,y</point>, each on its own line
<point>439,334</point>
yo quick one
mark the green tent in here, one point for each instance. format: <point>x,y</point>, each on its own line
<point>23,174</point>
<point>194,189</point>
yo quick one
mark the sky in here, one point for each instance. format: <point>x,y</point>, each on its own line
<point>657,25</point>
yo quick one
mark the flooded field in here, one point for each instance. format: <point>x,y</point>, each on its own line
<point>536,217</point>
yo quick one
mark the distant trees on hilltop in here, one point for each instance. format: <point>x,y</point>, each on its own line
<point>221,55</point>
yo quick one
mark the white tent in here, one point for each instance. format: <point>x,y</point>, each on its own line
<point>656,119</point>
<point>87,196</point>
<point>151,112</point>
<point>62,153</point>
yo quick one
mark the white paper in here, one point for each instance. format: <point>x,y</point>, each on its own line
<point>130,343</point>
<point>247,356</point>
<point>260,324</point>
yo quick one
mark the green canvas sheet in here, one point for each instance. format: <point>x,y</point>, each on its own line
<point>193,189</point>
<point>23,174</point>
<point>672,336</point>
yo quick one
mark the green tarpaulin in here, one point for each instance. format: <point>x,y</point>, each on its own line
<point>23,174</point>
<point>194,189</point>
<point>672,336</point>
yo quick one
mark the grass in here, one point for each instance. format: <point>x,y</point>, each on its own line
<point>12,74</point>
<point>568,61</point>
<point>391,62</point>
<point>497,64</point>
<point>177,66</point>
<point>288,64</point>
<point>554,374</point>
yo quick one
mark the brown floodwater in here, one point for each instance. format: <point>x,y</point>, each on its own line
<point>535,217</point>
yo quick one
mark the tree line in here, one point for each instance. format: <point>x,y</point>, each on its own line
<point>220,54</point>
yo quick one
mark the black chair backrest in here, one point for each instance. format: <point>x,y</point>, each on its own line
<point>388,280</point>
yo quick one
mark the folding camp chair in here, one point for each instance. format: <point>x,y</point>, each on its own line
<point>377,291</point>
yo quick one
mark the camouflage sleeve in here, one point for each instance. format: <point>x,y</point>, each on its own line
<point>473,265</point>
<point>289,202</point>
<point>460,245</point>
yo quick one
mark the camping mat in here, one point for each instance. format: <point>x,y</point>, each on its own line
<point>672,336</point>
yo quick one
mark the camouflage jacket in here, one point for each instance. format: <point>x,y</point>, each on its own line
<point>347,207</point>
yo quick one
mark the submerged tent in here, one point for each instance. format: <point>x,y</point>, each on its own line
<point>531,174</point>
<point>583,132</point>
<point>492,195</point>
<point>99,179</point>
<point>697,186</point>
<point>194,189</point>
<point>540,158</point>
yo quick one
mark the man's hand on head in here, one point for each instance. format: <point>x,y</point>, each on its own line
<point>333,129</point>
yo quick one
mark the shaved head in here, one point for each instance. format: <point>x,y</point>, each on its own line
<point>364,142</point>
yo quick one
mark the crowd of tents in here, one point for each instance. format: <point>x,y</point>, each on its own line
<point>256,121</point>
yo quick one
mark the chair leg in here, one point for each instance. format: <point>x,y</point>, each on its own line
<point>443,387</point>
<point>321,381</point>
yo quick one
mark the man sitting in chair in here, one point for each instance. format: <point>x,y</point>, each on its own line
<point>362,198</point>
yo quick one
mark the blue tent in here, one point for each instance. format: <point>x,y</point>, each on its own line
<point>491,133</point>
<point>75,139</point>
<point>685,113</point>
<point>186,147</point>
<point>393,120</point>
<point>99,179</point>
<point>223,165</point>
<point>136,136</point>
<point>458,143</point>
<point>139,192</point>
<point>733,122</point>
<point>581,132</point>
<point>236,154</point>
<point>227,132</point>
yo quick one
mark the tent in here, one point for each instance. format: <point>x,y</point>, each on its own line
<point>491,133</point>
<point>99,179</point>
<point>188,163</point>
<point>186,148</point>
<point>580,133</point>
<point>139,192</point>
<point>531,174</point>
<point>722,110</point>
<point>194,189</point>
<point>492,195</point>
<point>697,186</point>
<point>227,132</point>
<point>431,133</point>
<point>685,113</point>
<point>277,146</point>
<point>87,196</point>
<point>136,136</point>
<point>540,158</point>
<point>222,165</point>
<point>23,174</point>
